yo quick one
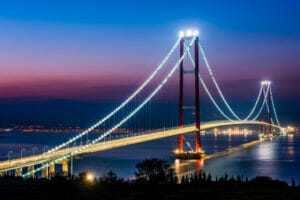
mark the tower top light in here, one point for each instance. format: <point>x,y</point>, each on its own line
<point>266,82</point>
<point>188,33</point>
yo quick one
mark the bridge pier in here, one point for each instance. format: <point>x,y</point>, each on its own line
<point>45,172</point>
<point>3,173</point>
<point>29,169</point>
<point>18,172</point>
<point>65,167</point>
<point>51,172</point>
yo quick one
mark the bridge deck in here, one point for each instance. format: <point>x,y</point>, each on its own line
<point>102,146</point>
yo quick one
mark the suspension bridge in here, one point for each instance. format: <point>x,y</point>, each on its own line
<point>127,111</point>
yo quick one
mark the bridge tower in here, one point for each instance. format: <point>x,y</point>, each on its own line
<point>262,112</point>
<point>198,151</point>
<point>268,91</point>
<point>269,104</point>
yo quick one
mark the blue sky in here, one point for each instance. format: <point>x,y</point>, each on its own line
<point>75,43</point>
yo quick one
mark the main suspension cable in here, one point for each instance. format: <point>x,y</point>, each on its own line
<point>220,92</point>
<point>275,113</point>
<point>273,107</point>
<point>256,103</point>
<point>134,94</point>
<point>215,82</point>
<point>263,104</point>
<point>76,152</point>
<point>206,89</point>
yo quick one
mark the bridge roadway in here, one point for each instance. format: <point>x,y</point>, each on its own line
<point>116,143</point>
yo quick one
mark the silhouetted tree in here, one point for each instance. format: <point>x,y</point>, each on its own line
<point>153,170</point>
<point>171,176</point>
<point>209,178</point>
<point>111,178</point>
<point>293,182</point>
<point>183,180</point>
<point>246,180</point>
<point>225,177</point>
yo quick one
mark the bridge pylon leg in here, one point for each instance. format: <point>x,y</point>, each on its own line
<point>262,114</point>
<point>198,142</point>
<point>197,101</point>
<point>180,143</point>
<point>270,122</point>
<point>180,120</point>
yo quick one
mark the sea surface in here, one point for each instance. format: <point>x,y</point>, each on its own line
<point>279,158</point>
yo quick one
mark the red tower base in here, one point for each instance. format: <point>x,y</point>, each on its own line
<point>189,155</point>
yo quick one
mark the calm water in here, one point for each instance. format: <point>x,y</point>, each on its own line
<point>279,158</point>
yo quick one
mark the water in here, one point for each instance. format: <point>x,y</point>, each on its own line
<point>278,159</point>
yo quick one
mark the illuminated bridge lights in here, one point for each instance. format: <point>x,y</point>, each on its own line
<point>215,82</point>
<point>275,113</point>
<point>205,87</point>
<point>212,98</point>
<point>263,103</point>
<point>123,120</point>
<point>187,35</point>
<point>263,83</point>
<point>134,94</point>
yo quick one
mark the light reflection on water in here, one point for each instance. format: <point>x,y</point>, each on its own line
<point>279,158</point>
<point>265,152</point>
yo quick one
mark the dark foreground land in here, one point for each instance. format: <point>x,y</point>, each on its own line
<point>154,180</point>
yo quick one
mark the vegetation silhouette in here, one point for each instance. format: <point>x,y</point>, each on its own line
<point>154,179</point>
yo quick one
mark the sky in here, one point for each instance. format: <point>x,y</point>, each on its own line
<point>102,50</point>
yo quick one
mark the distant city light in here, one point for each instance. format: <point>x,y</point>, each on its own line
<point>290,129</point>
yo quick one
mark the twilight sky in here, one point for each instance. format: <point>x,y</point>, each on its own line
<point>84,49</point>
